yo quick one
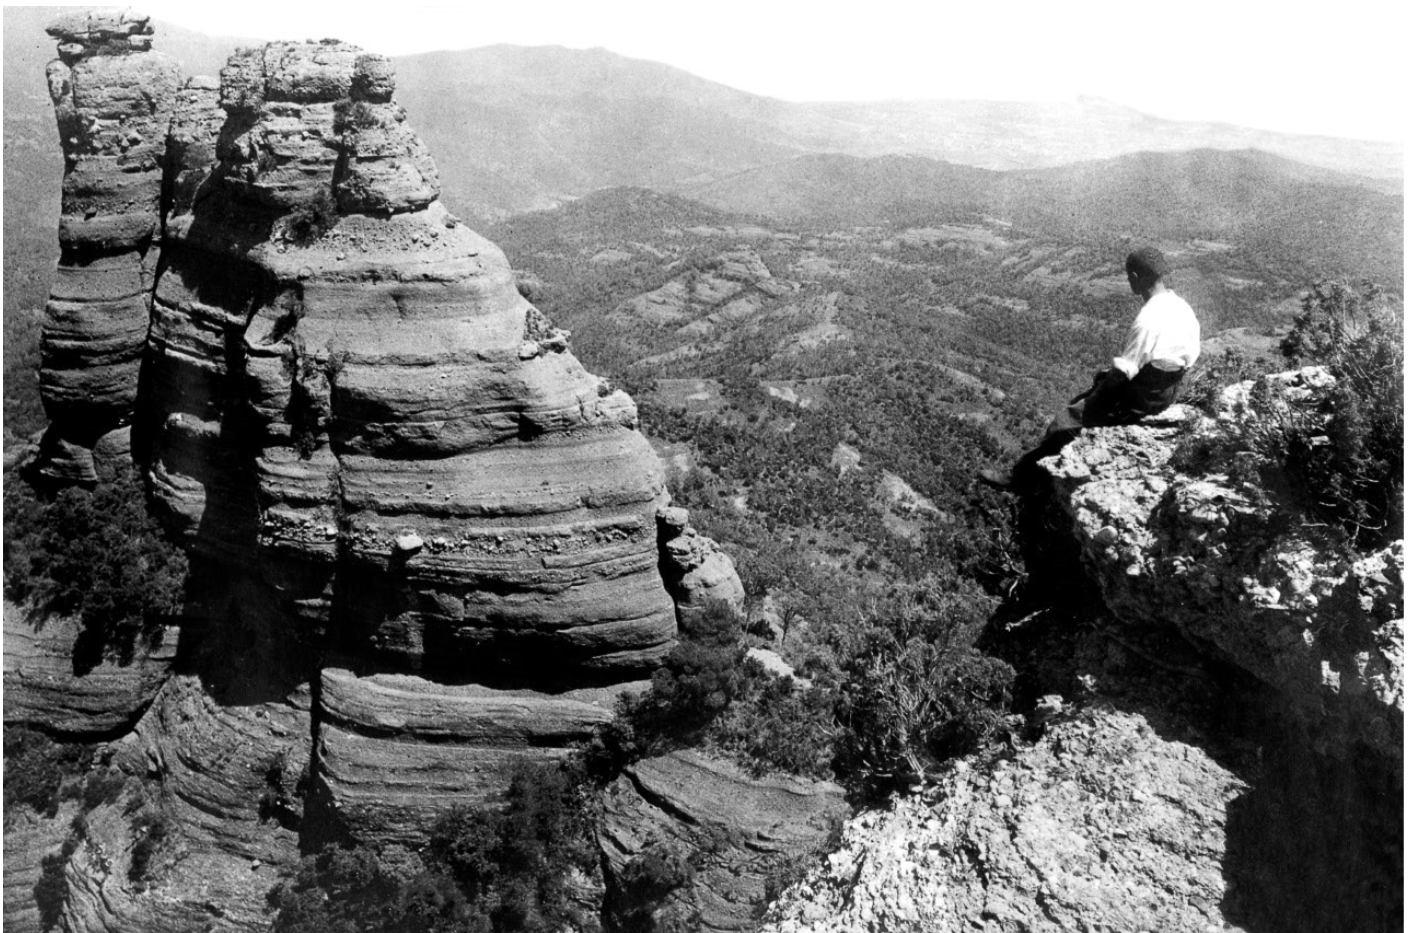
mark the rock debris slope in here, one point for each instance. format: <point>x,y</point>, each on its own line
<point>426,542</point>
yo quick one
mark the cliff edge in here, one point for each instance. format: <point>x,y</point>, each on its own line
<point>1214,734</point>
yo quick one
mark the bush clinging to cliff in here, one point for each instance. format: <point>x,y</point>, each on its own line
<point>1330,440</point>
<point>915,690</point>
<point>1348,457</point>
<point>483,870</point>
<point>36,767</point>
<point>97,554</point>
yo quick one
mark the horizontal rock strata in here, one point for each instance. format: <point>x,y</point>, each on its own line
<point>397,750</point>
<point>41,688</point>
<point>424,539</point>
<point>113,97</point>
<point>737,832</point>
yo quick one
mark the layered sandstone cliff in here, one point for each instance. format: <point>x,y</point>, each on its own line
<point>738,835</point>
<point>114,99</point>
<point>426,542</point>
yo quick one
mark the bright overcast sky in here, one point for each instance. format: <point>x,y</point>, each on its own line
<point>1333,67</point>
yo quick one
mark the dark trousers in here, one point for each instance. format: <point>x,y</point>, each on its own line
<point>1113,399</point>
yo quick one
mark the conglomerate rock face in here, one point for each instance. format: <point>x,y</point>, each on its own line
<point>1212,555</point>
<point>350,385</point>
<point>427,544</point>
<point>1103,824</point>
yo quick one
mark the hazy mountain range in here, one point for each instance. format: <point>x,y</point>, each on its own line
<point>515,129</point>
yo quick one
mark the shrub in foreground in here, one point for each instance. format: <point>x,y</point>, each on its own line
<point>1336,457</point>
<point>915,690</point>
<point>1347,458</point>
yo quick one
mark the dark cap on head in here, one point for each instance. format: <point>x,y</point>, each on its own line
<point>1148,263</point>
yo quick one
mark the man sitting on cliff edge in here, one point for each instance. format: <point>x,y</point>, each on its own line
<point>1162,345</point>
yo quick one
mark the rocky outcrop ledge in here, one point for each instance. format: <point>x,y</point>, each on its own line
<point>729,833</point>
<point>1214,556</point>
<point>1102,824</point>
<point>1223,749</point>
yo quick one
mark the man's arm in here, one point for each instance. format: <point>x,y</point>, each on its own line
<point>1140,340</point>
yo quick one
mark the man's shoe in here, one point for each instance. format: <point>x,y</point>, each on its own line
<point>1000,481</point>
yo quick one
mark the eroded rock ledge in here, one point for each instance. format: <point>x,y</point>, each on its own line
<point>1218,560</point>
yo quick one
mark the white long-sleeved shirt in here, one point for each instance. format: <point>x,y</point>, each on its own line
<point>1165,333</point>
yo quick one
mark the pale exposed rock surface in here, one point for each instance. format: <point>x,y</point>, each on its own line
<point>1214,557</point>
<point>1102,824</point>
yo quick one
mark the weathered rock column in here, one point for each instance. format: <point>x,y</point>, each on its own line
<point>114,98</point>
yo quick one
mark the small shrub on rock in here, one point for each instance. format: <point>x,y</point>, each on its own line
<point>343,891</point>
<point>36,768</point>
<point>1202,388</point>
<point>915,690</point>
<point>51,891</point>
<point>311,219</point>
<point>150,828</point>
<point>702,676</point>
<point>1350,467</point>
<point>354,115</point>
<point>513,864</point>
<point>779,725</point>
<point>645,883</point>
<point>1333,456</point>
<point>483,870</point>
<point>96,554</point>
<point>102,787</point>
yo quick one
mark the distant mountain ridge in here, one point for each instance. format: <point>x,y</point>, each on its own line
<point>1287,210</point>
<point>518,128</point>
<point>525,128</point>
